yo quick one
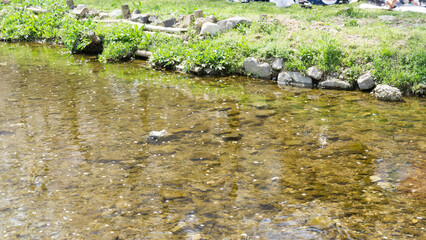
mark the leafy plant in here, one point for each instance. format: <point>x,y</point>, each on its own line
<point>351,23</point>
<point>330,54</point>
<point>75,34</point>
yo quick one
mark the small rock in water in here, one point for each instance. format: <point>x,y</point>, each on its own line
<point>3,132</point>
<point>156,135</point>
<point>232,137</point>
<point>375,178</point>
<point>293,142</point>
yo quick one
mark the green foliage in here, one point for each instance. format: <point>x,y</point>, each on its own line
<point>167,56</point>
<point>25,26</point>
<point>351,23</point>
<point>75,33</point>
<point>116,51</point>
<point>402,71</point>
<point>303,40</point>
<point>207,54</point>
<point>330,54</point>
<point>264,27</point>
<point>326,55</point>
<point>121,41</point>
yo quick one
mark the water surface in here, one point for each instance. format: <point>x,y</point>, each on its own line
<point>244,159</point>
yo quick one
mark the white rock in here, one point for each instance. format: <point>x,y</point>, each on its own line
<point>278,64</point>
<point>366,82</point>
<point>387,93</point>
<point>158,134</point>
<point>261,70</point>
<point>314,73</point>
<point>209,28</point>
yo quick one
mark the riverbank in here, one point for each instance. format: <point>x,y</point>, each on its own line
<point>342,42</point>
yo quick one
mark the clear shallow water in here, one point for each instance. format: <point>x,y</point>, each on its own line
<point>244,159</point>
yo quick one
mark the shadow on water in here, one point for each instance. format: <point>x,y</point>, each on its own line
<point>242,158</point>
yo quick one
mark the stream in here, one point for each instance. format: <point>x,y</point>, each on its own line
<point>242,158</point>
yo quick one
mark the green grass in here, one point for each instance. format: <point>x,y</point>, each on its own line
<point>340,39</point>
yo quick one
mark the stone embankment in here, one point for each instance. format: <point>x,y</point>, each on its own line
<point>205,26</point>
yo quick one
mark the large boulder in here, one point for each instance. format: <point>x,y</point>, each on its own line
<point>141,18</point>
<point>335,84</point>
<point>387,93</point>
<point>231,23</point>
<point>80,10</point>
<point>295,79</point>
<point>254,67</point>
<point>209,28</point>
<point>314,73</point>
<point>366,82</point>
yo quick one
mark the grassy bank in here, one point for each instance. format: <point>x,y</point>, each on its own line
<point>342,40</point>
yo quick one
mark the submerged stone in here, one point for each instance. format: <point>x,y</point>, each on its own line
<point>170,194</point>
<point>232,137</point>
<point>157,136</point>
<point>335,84</point>
<point>294,142</point>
